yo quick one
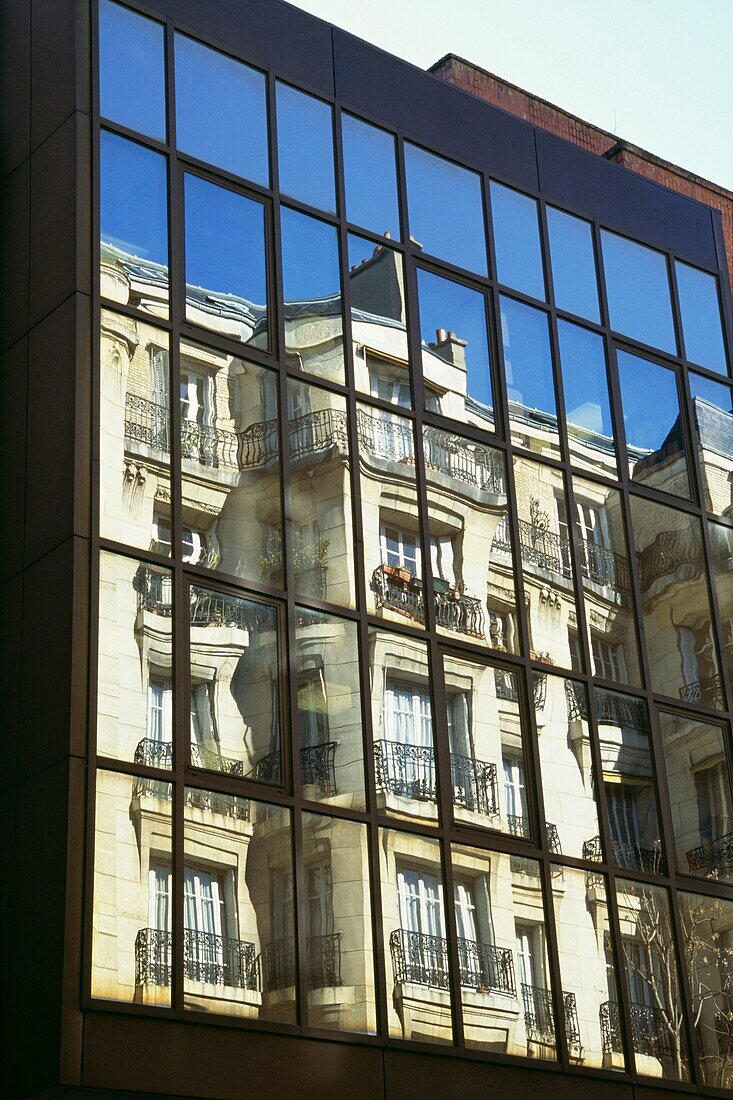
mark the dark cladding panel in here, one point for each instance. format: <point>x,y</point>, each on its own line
<point>272,34</point>
<point>622,199</point>
<point>444,118</point>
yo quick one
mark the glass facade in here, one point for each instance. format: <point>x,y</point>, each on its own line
<point>415,613</point>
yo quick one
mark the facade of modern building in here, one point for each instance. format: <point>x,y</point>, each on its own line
<point>368,587</point>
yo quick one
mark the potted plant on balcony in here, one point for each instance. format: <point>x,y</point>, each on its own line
<point>397,573</point>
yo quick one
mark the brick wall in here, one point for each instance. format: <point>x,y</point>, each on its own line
<point>471,78</point>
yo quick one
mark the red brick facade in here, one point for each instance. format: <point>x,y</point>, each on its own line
<point>471,78</point>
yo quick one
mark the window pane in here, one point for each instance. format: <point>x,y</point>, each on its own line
<point>134,225</point>
<point>587,404</point>
<point>379,321</point>
<point>655,435</point>
<point>721,539</point>
<point>329,708</point>
<point>446,210</point>
<point>132,956</point>
<point>455,350</point>
<point>221,110</point>
<point>628,778</point>
<point>370,175</point>
<point>609,606</point>
<point>517,241</point>
<point>652,981</point>
<point>589,980</point>
<point>568,778</point>
<point>712,419</point>
<point>239,951</point>
<point>467,506</point>
<point>305,148</point>
<point>393,558</point>
<point>135,673</point>
<point>573,264</point>
<point>701,322</point>
<point>230,465</point>
<point>707,950</point>
<point>529,379</point>
<point>131,44</point>
<point>314,328</point>
<point>322,537</point>
<point>700,796</point>
<point>674,600</point>
<point>226,268</point>
<point>235,703</point>
<point>413,919</point>
<point>403,727</point>
<point>637,285</point>
<point>134,432</point>
<point>337,914</point>
<point>544,533</point>
<point>506,988</point>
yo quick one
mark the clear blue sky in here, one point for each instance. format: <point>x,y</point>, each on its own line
<point>658,73</point>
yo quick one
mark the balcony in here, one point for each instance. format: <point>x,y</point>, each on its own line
<point>147,753</point>
<point>207,958</point>
<point>213,761</point>
<point>408,771</point>
<point>707,692</point>
<point>611,709</point>
<point>154,754</point>
<point>507,687</point>
<point>539,1018</point>
<point>650,1034</point>
<point>459,613</point>
<point>396,588</point>
<point>423,960</point>
<point>472,464</point>
<point>323,963</point>
<point>475,785</point>
<point>317,767</point>
<point>520,826</point>
<point>546,550</point>
<point>714,855</point>
<point>146,423</point>
<point>630,856</point>
<point>154,591</point>
<point>669,551</point>
<point>603,566</point>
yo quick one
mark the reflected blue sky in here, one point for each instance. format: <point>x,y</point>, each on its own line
<point>585,383</point>
<point>637,286</point>
<point>573,264</point>
<point>701,325</point>
<point>133,202</point>
<point>649,400</point>
<point>460,309</point>
<point>305,148</point>
<point>310,257</point>
<point>445,209</point>
<point>527,355</point>
<point>370,177</point>
<point>132,70</point>
<point>221,110</point>
<point>225,241</point>
<point>713,392</point>
<point>517,241</point>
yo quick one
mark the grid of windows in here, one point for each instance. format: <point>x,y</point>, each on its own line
<point>407,592</point>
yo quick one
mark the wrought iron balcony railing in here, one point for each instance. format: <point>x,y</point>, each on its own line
<point>669,551</point>
<point>539,1017</point>
<point>507,687</point>
<point>154,754</point>
<point>471,464</point>
<point>398,590</point>
<point>549,551</point>
<point>713,855</point>
<point>147,423</point>
<point>228,805</point>
<point>154,591</point>
<point>213,761</point>
<point>423,959</point>
<point>708,692</point>
<point>475,784</point>
<point>317,767</point>
<point>207,958</point>
<point>611,709</point>
<point>520,826</point>
<point>650,1034</point>
<point>460,613</point>
<point>407,771</point>
<point>605,567</point>
<point>631,856</point>
<point>398,594</point>
<point>323,963</point>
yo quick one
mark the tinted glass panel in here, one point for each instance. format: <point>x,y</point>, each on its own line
<point>379,321</point>
<point>655,436</point>
<point>455,350</point>
<point>701,322</point>
<point>370,175</point>
<point>134,47</point>
<point>445,208</point>
<point>517,241</point>
<point>573,264</point>
<point>312,288</point>
<point>226,274</point>
<point>706,943</point>
<point>134,225</point>
<point>305,148</point>
<point>587,404</point>
<point>337,914</point>
<point>721,539</point>
<point>528,370</point>
<point>637,285</point>
<point>712,420</point>
<point>221,112</point>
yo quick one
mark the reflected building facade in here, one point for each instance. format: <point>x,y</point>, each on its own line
<point>411,595</point>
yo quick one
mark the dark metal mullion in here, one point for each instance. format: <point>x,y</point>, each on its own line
<point>361,624</point>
